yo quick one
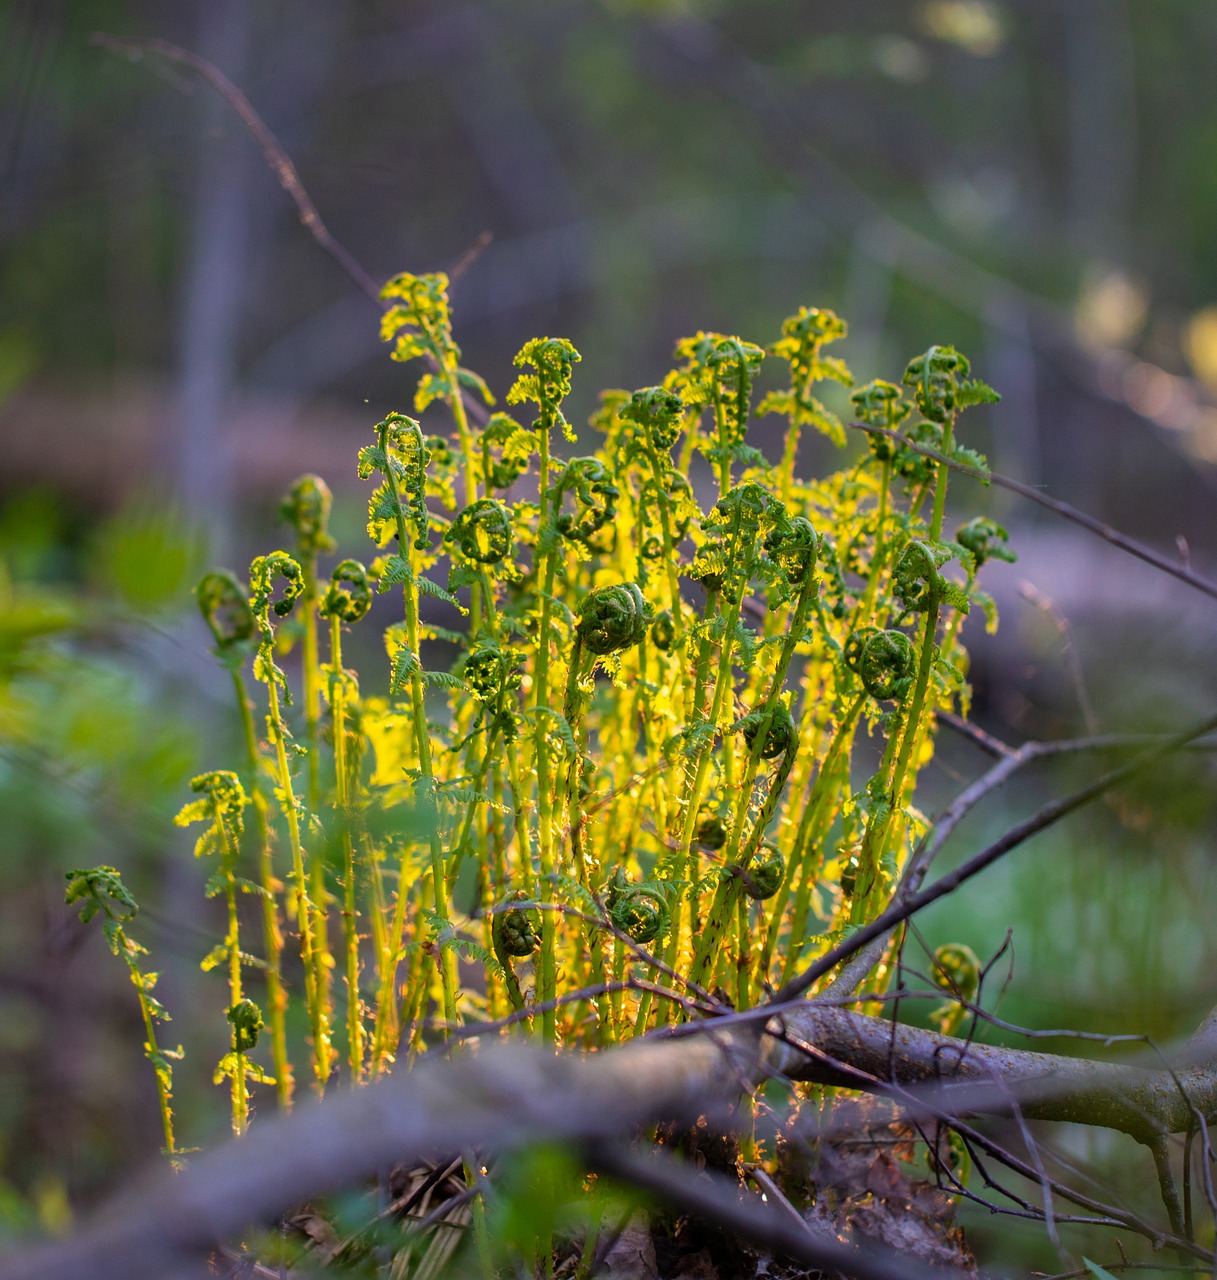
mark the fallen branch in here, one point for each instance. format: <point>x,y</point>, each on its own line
<point>969,1078</point>
<point>508,1096</point>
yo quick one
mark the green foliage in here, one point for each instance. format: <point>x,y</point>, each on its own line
<point>145,557</point>
<point>99,891</point>
<point>673,809</point>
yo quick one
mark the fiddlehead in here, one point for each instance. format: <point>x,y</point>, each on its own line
<point>957,972</point>
<point>226,610</point>
<point>736,528</point>
<point>262,575</point>
<point>782,734</point>
<point>246,1020</point>
<point>222,789</point>
<point>763,876</point>
<point>515,931</point>
<point>482,532</point>
<point>515,445</point>
<point>420,324</point>
<point>916,581</point>
<point>885,661</point>
<point>882,404</point>
<point>100,890</point>
<point>663,631</point>
<point>933,377</point>
<point>613,618</point>
<point>590,485</point>
<point>552,359</point>
<point>941,387</point>
<point>639,913</point>
<point>514,935</point>
<point>985,540</point>
<point>306,507</point>
<point>793,547</point>
<point>718,374</point>
<point>401,455</point>
<point>349,595</point>
<point>491,673</point>
<point>804,335</point>
<point>657,412</point>
<point>733,366</point>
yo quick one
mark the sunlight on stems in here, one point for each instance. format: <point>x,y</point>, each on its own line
<point>225,607</point>
<point>262,574</point>
<point>641,759</point>
<point>306,508</point>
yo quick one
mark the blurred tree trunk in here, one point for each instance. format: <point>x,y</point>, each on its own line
<point>218,254</point>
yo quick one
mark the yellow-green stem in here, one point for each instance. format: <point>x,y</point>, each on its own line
<point>422,741</point>
<point>232,941</point>
<point>318,1013</point>
<point>729,889</point>
<point>805,847</point>
<point>272,935</point>
<point>153,1051</point>
<point>867,900</point>
<point>547,975</point>
<point>572,710</point>
<point>342,798</point>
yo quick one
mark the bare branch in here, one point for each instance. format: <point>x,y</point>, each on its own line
<point>281,165</point>
<point>499,1099</point>
<point>1010,760</point>
<point>1050,813</point>
<point>277,159</point>
<point>970,1078</point>
<point>1062,509</point>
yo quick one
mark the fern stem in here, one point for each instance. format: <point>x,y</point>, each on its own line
<point>272,934</point>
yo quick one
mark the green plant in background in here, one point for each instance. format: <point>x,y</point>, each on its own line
<point>101,892</point>
<point>636,778</point>
<point>91,765</point>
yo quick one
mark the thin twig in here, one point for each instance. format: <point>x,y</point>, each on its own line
<point>277,159</point>
<point>281,165</point>
<point>974,733</point>
<point>922,857</point>
<point>1045,1183</point>
<point>921,1102</point>
<point>471,255</point>
<point>947,884</point>
<point>1062,509</point>
<point>1107,1039</point>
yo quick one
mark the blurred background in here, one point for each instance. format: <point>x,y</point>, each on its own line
<point>1033,182</point>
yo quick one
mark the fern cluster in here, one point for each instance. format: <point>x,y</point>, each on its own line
<point>633,789</point>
